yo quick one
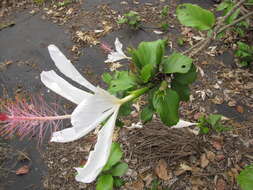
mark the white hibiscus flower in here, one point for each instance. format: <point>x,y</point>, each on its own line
<point>92,109</point>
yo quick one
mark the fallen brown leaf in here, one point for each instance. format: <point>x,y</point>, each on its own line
<point>204,161</point>
<point>221,184</point>
<point>240,109</point>
<point>161,170</point>
<point>137,185</point>
<point>217,145</point>
<point>219,157</point>
<point>210,156</point>
<point>22,170</point>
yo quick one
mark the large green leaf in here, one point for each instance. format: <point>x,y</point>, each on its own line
<point>186,78</point>
<point>119,169</point>
<point>245,178</point>
<point>166,103</point>
<point>177,63</point>
<point>115,156</point>
<point>105,182</point>
<point>122,81</point>
<point>195,16</point>
<point>147,57</point>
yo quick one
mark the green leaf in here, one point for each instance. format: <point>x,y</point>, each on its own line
<point>177,63</point>
<point>115,156</point>
<point>122,81</point>
<point>186,78</point>
<point>146,72</point>
<point>245,178</point>
<point>147,114</point>
<point>213,119</point>
<point>125,109</point>
<point>182,90</point>
<point>195,16</point>
<point>118,182</point>
<point>222,6</point>
<point>165,11</point>
<point>105,182</point>
<point>231,18</point>
<point>119,169</point>
<point>166,103</point>
<point>107,78</point>
<point>149,53</point>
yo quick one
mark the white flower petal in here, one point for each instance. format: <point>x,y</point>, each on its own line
<point>88,111</point>
<point>182,124</point>
<point>70,134</point>
<point>99,156</point>
<point>119,46</point>
<point>57,84</point>
<point>116,55</point>
<point>67,68</point>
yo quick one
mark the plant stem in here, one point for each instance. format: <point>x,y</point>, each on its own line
<point>134,94</point>
<point>235,22</point>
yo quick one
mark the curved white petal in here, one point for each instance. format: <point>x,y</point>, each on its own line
<point>70,134</point>
<point>88,111</point>
<point>99,156</point>
<point>119,46</point>
<point>116,55</point>
<point>67,68</point>
<point>182,124</point>
<point>57,84</point>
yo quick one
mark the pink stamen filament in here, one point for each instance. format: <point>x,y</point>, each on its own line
<point>46,118</point>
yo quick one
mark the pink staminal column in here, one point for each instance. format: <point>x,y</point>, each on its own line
<point>29,119</point>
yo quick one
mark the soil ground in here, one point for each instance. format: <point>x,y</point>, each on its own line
<point>191,161</point>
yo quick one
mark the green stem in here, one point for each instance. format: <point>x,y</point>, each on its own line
<point>134,94</point>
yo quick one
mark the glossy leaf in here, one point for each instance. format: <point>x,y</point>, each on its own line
<point>146,72</point>
<point>115,156</point>
<point>122,81</point>
<point>194,16</point>
<point>166,103</point>
<point>177,63</point>
<point>245,178</point>
<point>147,57</point>
<point>186,78</point>
<point>119,169</point>
<point>105,182</point>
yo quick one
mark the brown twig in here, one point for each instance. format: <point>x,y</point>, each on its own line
<point>195,49</point>
<point>235,22</point>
